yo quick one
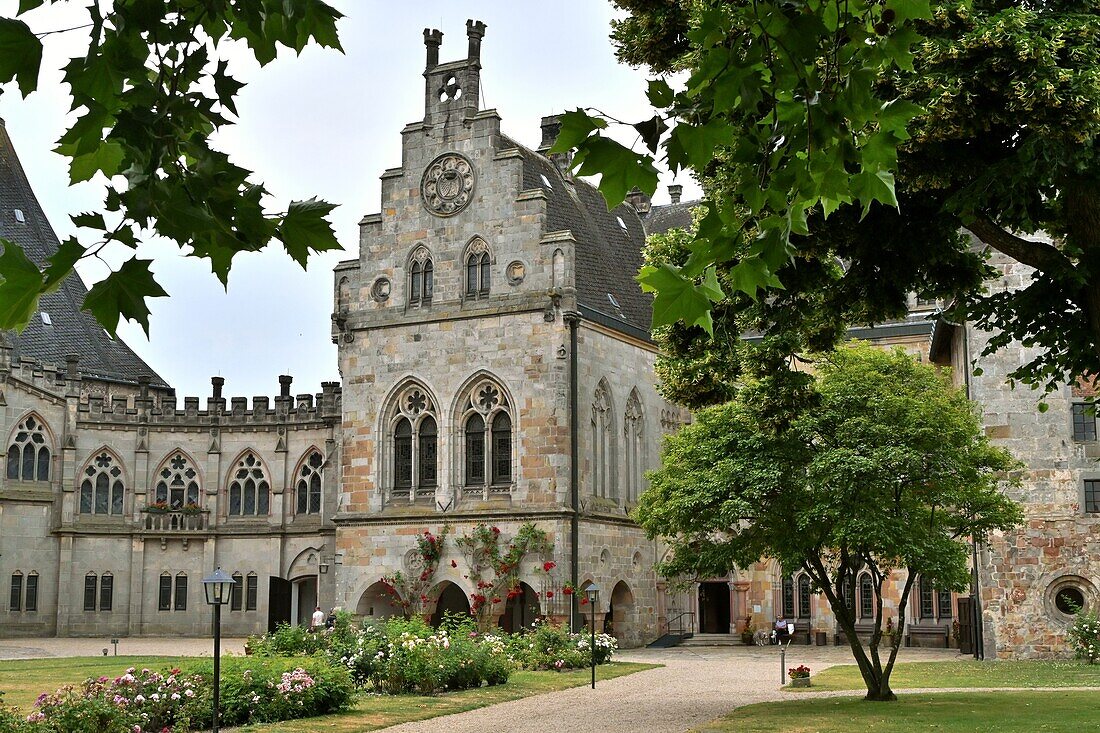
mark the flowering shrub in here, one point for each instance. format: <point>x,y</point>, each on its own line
<point>1084,635</point>
<point>799,672</point>
<point>401,656</point>
<point>252,692</point>
<point>411,591</point>
<point>484,555</point>
<point>551,646</point>
<point>298,641</point>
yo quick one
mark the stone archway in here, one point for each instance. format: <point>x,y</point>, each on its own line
<point>377,602</point>
<point>521,610</point>
<point>621,619</point>
<point>450,598</point>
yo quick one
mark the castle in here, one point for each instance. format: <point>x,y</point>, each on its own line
<point>497,370</point>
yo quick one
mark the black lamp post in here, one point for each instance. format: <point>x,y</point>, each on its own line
<point>593,594</point>
<point>219,590</point>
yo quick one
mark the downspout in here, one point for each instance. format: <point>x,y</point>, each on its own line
<point>979,631</point>
<point>574,471</point>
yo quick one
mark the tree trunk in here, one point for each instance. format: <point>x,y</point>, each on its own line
<point>877,682</point>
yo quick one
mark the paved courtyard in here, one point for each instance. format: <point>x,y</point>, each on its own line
<point>696,685</point>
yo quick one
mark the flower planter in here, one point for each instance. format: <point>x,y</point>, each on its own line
<point>800,681</point>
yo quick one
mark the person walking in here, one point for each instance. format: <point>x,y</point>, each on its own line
<point>318,620</point>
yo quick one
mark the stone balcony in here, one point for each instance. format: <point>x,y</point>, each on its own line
<point>175,521</point>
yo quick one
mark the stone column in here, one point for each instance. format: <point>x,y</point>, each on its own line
<point>739,604</point>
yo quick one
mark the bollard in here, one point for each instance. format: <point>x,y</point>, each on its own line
<point>782,664</point>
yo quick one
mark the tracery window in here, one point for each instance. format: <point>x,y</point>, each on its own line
<point>249,489</point>
<point>634,435</point>
<point>29,451</point>
<point>803,596</point>
<point>487,437</point>
<point>477,269</point>
<point>421,278</point>
<point>102,488</point>
<point>308,487</point>
<point>788,597</point>
<point>603,444</point>
<point>177,483</point>
<point>934,604</point>
<point>415,438</point>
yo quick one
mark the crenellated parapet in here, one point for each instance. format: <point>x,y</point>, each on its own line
<point>283,409</point>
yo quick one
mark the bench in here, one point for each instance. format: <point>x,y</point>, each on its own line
<point>938,637</point>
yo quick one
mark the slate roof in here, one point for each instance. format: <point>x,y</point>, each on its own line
<point>609,253</point>
<point>670,216</point>
<point>71,331</point>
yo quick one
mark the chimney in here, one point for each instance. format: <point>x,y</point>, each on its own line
<point>639,200</point>
<point>217,383</point>
<point>143,387</point>
<point>551,126</point>
<point>285,381</point>
<point>475,31</point>
<point>675,191</point>
<point>70,366</point>
<point>433,39</point>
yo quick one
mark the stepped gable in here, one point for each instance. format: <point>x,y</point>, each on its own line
<point>70,330</point>
<point>607,256</point>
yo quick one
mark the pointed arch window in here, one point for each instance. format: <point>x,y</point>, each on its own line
<point>634,434</point>
<point>477,269</point>
<point>308,486</point>
<point>788,597</point>
<point>487,437</point>
<point>102,489</point>
<point>414,434</point>
<point>236,592</point>
<point>421,278</point>
<point>866,596</point>
<point>603,454</point>
<point>29,451</point>
<point>249,489</point>
<point>803,596</point>
<point>177,483</point>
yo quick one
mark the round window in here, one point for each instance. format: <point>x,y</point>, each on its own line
<point>1069,599</point>
<point>380,290</point>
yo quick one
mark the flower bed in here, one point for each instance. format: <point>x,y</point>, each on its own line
<point>551,646</point>
<point>252,691</point>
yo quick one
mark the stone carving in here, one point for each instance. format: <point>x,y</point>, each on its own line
<point>447,185</point>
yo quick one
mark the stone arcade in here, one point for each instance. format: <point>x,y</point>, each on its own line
<point>497,368</point>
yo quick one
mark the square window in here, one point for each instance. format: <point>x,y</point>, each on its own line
<point>106,593</point>
<point>1084,422</point>
<point>1092,496</point>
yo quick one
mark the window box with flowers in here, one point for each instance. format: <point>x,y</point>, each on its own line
<point>191,509</point>
<point>800,676</point>
<point>157,507</point>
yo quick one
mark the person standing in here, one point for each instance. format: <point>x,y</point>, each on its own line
<point>318,620</point>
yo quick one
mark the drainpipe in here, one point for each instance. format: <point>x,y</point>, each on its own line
<point>574,471</point>
<point>979,632</point>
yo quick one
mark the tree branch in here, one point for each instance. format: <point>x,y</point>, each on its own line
<point>1040,255</point>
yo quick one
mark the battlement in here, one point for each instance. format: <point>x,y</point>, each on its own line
<point>264,410</point>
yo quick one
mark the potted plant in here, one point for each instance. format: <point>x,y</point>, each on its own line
<point>800,676</point>
<point>157,507</point>
<point>191,508</point>
<point>749,634</point>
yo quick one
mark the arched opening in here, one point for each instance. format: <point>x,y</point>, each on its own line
<point>451,599</point>
<point>304,598</point>
<point>521,609</point>
<point>620,612</point>
<point>378,603</point>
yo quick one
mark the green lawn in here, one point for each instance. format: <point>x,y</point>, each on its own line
<point>22,681</point>
<point>1003,712</point>
<point>968,673</point>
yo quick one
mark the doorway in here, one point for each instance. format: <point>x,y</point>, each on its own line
<point>452,599</point>
<point>278,603</point>
<point>305,599</point>
<point>714,608</point>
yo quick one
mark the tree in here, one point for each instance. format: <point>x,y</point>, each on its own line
<point>797,117</point>
<point>151,90</point>
<point>884,469</point>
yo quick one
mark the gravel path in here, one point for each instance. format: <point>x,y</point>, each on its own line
<point>695,686</point>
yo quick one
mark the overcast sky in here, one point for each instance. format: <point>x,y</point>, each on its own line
<point>324,124</point>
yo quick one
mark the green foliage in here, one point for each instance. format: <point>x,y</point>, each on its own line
<point>1084,636</point>
<point>150,92</point>
<point>412,591</point>
<point>551,646</point>
<point>876,464</point>
<point>484,555</point>
<point>988,119</point>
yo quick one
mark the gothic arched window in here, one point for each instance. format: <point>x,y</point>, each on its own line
<point>866,596</point>
<point>487,429</point>
<point>603,444</point>
<point>414,433</point>
<point>308,487</point>
<point>102,489</point>
<point>634,434</point>
<point>803,596</point>
<point>249,490</point>
<point>29,451</point>
<point>177,483</point>
<point>421,278</point>
<point>788,597</point>
<point>477,269</point>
